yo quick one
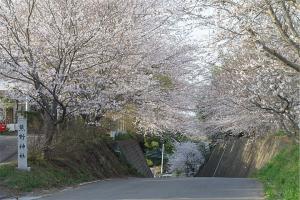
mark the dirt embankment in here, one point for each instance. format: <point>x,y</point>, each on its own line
<point>102,161</point>
<point>97,159</point>
<point>239,157</point>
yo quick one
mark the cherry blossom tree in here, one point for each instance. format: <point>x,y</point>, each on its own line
<point>246,96</point>
<point>170,103</point>
<point>84,58</point>
<point>253,53</point>
<point>186,159</point>
<point>49,45</point>
<point>270,25</point>
<point>250,99</point>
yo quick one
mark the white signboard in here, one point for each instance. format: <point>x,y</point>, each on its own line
<point>22,143</point>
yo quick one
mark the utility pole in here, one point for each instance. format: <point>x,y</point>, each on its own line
<point>162,158</point>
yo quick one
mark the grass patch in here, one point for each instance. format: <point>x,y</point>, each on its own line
<point>281,176</point>
<point>41,176</point>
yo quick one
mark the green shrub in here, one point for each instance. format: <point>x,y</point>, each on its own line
<point>149,162</point>
<point>155,144</point>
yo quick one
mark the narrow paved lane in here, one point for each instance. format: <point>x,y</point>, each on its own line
<point>165,189</point>
<point>8,148</point>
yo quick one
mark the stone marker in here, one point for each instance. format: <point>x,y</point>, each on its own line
<point>22,143</point>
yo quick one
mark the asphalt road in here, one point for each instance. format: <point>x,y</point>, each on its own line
<point>8,148</point>
<point>165,189</point>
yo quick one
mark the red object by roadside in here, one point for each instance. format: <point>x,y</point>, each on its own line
<point>2,127</point>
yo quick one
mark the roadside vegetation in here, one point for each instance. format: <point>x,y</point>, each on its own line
<point>79,154</point>
<point>46,175</point>
<point>281,176</point>
<point>152,146</point>
<point>183,155</point>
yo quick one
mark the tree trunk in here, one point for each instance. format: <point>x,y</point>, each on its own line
<point>49,130</point>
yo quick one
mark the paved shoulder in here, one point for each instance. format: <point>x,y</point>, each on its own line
<point>166,189</point>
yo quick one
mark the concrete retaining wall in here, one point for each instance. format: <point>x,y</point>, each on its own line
<point>239,157</point>
<point>133,154</point>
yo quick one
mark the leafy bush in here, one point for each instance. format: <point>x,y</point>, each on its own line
<point>149,162</point>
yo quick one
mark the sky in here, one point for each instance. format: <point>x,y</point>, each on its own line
<point>2,85</point>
